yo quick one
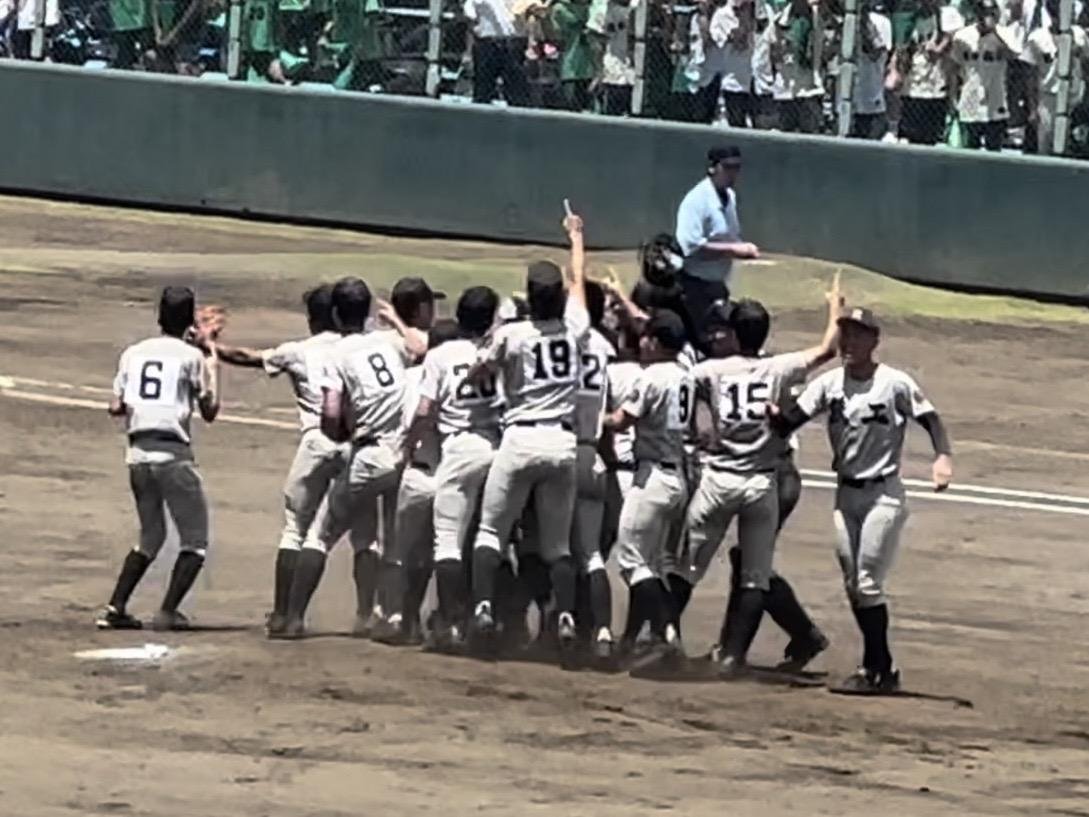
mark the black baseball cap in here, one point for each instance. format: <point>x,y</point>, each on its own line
<point>476,309</point>
<point>410,292</point>
<point>177,309</point>
<point>718,318</point>
<point>861,316</point>
<point>666,327</point>
<point>729,155</point>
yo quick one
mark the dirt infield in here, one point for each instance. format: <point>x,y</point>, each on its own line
<point>989,601</point>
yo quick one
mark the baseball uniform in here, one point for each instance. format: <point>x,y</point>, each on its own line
<point>622,375</point>
<point>539,367</point>
<point>866,425</point>
<point>653,510</point>
<point>317,459</point>
<point>738,474</point>
<point>159,380</point>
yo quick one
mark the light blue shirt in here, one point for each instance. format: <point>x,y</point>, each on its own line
<point>702,218</point>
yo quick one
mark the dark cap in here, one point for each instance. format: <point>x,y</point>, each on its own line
<point>544,274</point>
<point>476,309</point>
<point>861,316</point>
<point>409,293</point>
<point>718,318</point>
<point>177,308</point>
<point>729,155</point>
<point>666,327</point>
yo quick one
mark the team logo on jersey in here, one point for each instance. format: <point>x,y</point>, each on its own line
<point>879,413</point>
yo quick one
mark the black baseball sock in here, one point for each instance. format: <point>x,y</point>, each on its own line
<point>601,600</point>
<point>365,573</point>
<point>874,624</point>
<point>308,570</point>
<point>485,566</point>
<point>285,573</point>
<point>584,616</point>
<point>392,586</point>
<point>452,592</point>
<point>506,592</point>
<point>417,578</point>
<point>742,621</point>
<point>562,573</point>
<point>642,607</point>
<point>786,611</point>
<point>185,572</point>
<point>132,570</point>
<point>533,574</point>
<point>680,593</point>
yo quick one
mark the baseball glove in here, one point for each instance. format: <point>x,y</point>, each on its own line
<point>209,322</point>
<point>661,259</point>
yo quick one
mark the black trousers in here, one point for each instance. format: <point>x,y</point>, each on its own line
<point>500,57</point>
<point>804,115</point>
<point>699,295</point>
<point>739,106</point>
<point>990,135</point>
<point>922,121</point>
<point>868,126</point>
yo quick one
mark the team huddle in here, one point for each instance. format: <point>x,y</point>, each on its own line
<point>508,453</point>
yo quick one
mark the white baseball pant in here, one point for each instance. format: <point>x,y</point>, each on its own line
<point>176,483</point>
<point>652,516</point>
<point>868,522</point>
<point>589,514</point>
<point>368,484</point>
<point>459,488</point>
<point>317,462</point>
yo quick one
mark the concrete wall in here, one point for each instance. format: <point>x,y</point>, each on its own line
<point>926,215</point>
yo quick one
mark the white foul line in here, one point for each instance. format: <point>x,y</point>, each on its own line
<point>822,477</point>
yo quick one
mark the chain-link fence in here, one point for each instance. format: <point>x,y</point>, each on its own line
<point>995,74</point>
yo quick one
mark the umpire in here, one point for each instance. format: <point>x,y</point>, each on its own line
<point>709,232</point>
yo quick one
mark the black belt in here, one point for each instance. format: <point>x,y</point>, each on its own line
<point>860,483</point>
<point>566,426</point>
<point>365,440</point>
<point>722,469</point>
<point>155,435</point>
<point>623,466</point>
<point>419,466</point>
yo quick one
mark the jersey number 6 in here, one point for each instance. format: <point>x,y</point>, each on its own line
<point>151,386</point>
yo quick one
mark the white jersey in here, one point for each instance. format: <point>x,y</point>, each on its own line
<point>738,390</point>
<point>982,63</point>
<point>596,354</point>
<point>427,449</point>
<point>539,366</point>
<point>623,375</point>
<point>661,401</point>
<point>304,362</point>
<point>370,373</point>
<point>462,406</point>
<point>866,418</point>
<point>159,380</point>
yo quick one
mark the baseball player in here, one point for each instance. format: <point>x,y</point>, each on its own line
<point>363,397</point>
<point>158,383</point>
<point>466,415</point>
<point>317,459</point>
<point>739,465</point>
<point>623,373</point>
<point>407,555</point>
<point>597,353</point>
<point>538,363</point>
<point>868,405</point>
<point>659,407</point>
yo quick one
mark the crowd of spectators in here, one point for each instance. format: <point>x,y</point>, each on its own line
<point>967,73</point>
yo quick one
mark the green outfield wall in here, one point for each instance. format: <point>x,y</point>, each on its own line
<point>931,215</point>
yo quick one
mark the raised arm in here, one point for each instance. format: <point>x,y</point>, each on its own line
<point>241,356</point>
<point>817,356</point>
<point>415,340</point>
<point>572,223</point>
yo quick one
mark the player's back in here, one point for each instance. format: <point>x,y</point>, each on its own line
<point>159,380</point>
<point>462,405</point>
<point>373,374</point>
<point>595,354</point>
<point>623,376</point>
<point>305,362</point>
<point>739,389</point>
<point>665,394</point>
<point>540,369</point>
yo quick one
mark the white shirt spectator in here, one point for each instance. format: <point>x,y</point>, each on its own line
<point>492,18</point>
<point>28,12</point>
<point>617,65</point>
<point>797,78</point>
<point>763,72</point>
<point>869,90</point>
<point>982,62</point>
<point>732,56</point>
<point>1042,52</point>
<point>928,74</point>
<point>703,217</point>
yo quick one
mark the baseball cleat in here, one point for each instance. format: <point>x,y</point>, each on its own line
<point>169,620</point>
<point>731,668</point>
<point>275,623</point>
<point>445,639</point>
<point>568,639</point>
<point>364,625</point>
<point>291,630</point>
<point>412,632</point>
<point>482,632</point>
<point>869,682</point>
<point>389,632</point>
<point>113,619</point>
<point>799,652</point>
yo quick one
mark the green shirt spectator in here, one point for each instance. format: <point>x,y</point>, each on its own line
<point>568,18</point>
<point>130,15</point>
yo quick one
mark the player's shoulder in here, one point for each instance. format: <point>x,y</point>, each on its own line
<point>831,379</point>
<point>452,351</point>
<point>598,344</point>
<point>896,377</point>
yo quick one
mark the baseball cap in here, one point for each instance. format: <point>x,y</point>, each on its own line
<point>718,318</point>
<point>544,274</point>
<point>666,327</point>
<point>729,155</point>
<point>862,316</point>
<point>177,308</point>
<point>410,292</point>
<point>477,307</point>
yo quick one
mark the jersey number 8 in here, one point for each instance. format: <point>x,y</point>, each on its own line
<point>382,372</point>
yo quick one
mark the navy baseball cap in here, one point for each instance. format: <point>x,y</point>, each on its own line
<point>728,155</point>
<point>861,316</point>
<point>666,327</point>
